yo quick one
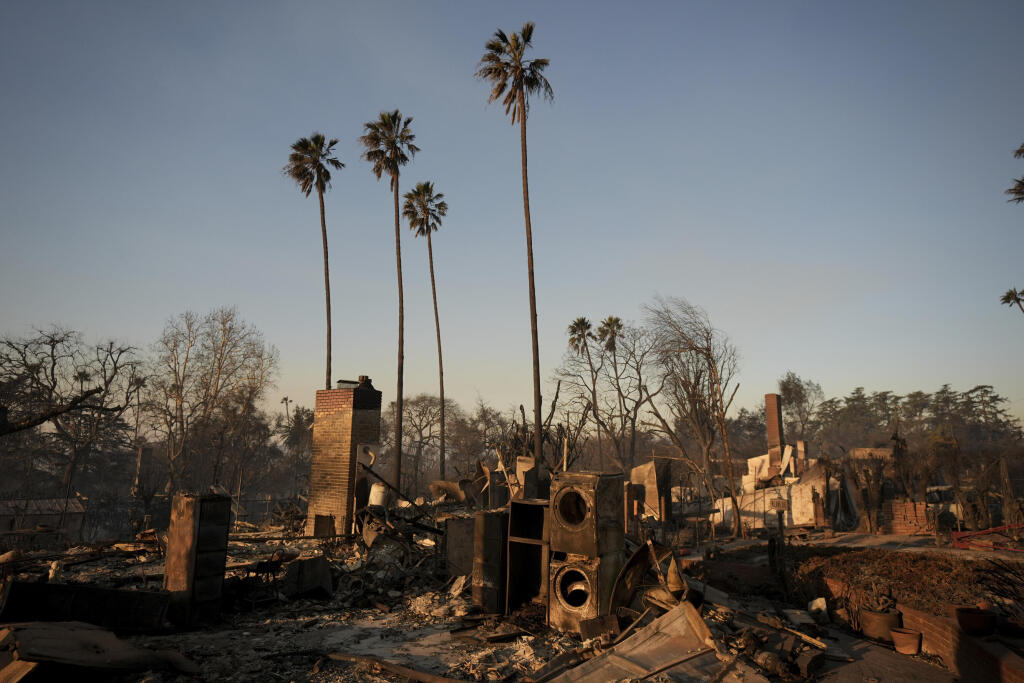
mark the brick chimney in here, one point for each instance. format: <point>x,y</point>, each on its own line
<point>773,428</point>
<point>343,418</point>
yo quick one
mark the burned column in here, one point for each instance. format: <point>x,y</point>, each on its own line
<point>197,547</point>
<point>490,548</point>
<point>344,418</point>
<point>773,427</point>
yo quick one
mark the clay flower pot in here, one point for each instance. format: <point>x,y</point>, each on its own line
<point>976,622</point>
<point>906,641</point>
<point>878,625</point>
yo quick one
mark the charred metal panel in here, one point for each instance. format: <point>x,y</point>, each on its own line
<point>490,547</point>
<point>459,542</point>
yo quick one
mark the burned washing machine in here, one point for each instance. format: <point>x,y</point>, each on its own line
<point>580,588</point>
<point>587,513</point>
<point>587,541</point>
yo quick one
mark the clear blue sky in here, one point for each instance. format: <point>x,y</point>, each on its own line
<point>825,178</point>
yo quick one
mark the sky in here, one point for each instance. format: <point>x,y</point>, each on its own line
<point>826,179</point>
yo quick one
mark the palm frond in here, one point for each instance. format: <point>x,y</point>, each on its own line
<point>309,160</point>
<point>424,208</point>
<point>526,33</point>
<point>513,79</point>
<point>1016,192</point>
<point>388,144</point>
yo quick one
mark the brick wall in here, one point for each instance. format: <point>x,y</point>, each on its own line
<point>342,419</point>
<point>904,518</point>
<point>972,658</point>
<point>773,426</point>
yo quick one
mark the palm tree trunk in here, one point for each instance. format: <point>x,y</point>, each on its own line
<point>440,363</point>
<point>401,343</point>
<point>537,441</point>
<point>593,402</point>
<point>327,287</point>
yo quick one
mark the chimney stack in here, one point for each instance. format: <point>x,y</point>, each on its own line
<point>773,427</point>
<point>344,418</point>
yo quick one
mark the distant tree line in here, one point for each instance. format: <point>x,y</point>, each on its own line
<point>189,412</point>
<point>186,413</point>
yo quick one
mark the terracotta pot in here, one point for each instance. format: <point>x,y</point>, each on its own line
<point>877,625</point>
<point>976,622</point>
<point>907,641</point>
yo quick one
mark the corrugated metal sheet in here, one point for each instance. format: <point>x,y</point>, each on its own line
<point>656,648</point>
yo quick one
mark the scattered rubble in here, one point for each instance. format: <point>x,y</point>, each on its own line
<point>573,577</point>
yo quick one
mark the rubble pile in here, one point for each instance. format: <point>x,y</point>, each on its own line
<point>538,576</point>
<point>930,582</point>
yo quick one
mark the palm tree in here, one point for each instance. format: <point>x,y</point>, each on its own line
<point>1013,298</point>
<point>1017,191</point>
<point>388,147</point>
<point>580,335</point>
<point>514,80</point>
<point>608,333</point>
<point>424,210</point>
<point>310,165</point>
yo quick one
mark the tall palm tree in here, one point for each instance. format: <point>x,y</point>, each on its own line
<point>309,165</point>
<point>514,79</point>
<point>388,146</point>
<point>1013,298</point>
<point>424,209</point>
<point>1017,191</point>
<point>608,333</point>
<point>580,335</point>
